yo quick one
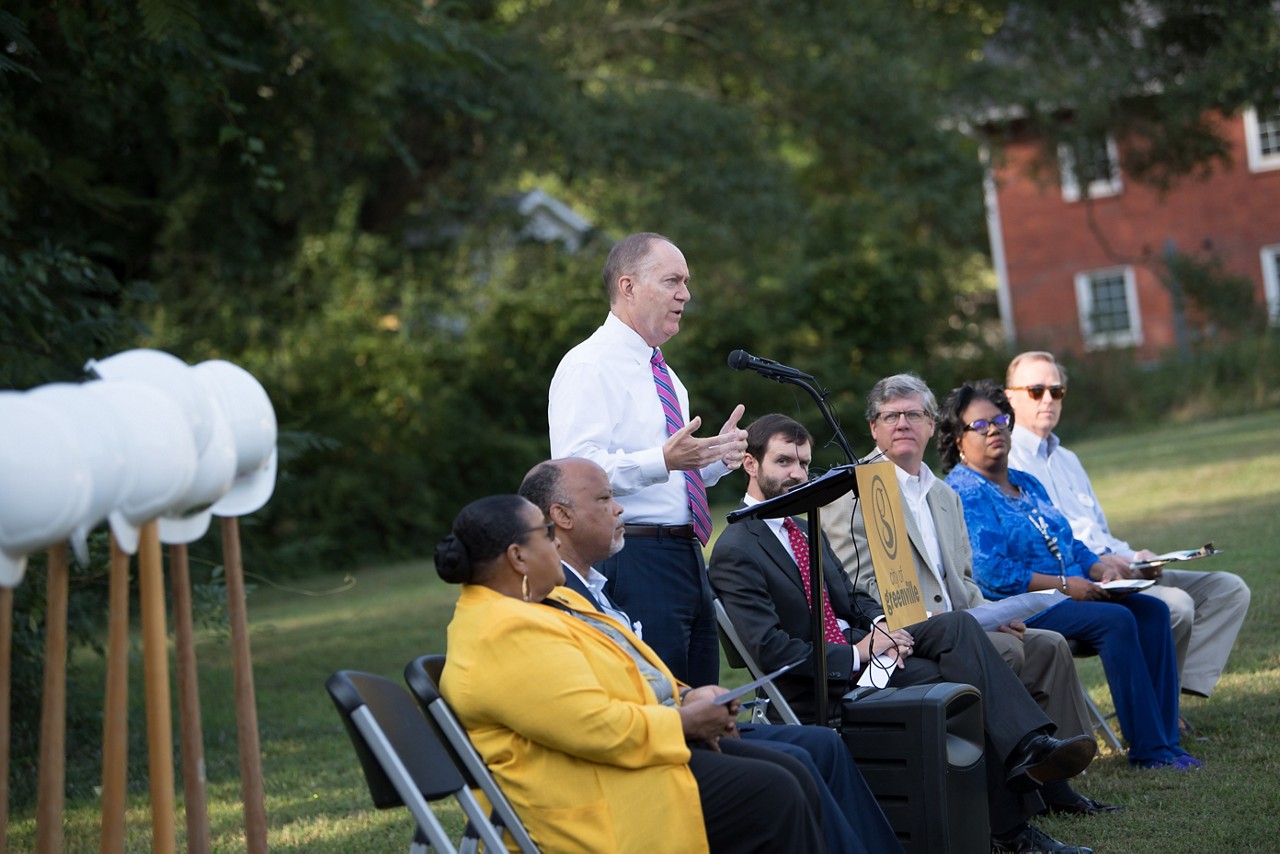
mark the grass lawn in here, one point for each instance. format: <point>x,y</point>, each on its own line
<point>1165,488</point>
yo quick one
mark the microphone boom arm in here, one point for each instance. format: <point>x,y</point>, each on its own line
<point>819,396</point>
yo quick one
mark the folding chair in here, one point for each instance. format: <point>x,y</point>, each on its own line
<point>736,653</point>
<point>423,676</point>
<point>405,762</point>
<point>1079,649</point>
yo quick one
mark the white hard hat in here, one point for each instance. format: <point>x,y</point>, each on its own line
<point>170,375</point>
<point>102,442</point>
<point>161,453</point>
<point>215,472</point>
<point>248,410</point>
<point>44,482</point>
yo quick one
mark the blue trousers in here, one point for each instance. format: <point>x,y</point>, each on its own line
<point>662,582</point>
<point>1134,641</point>
<point>851,819</point>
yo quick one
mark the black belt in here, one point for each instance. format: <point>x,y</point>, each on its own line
<point>682,532</point>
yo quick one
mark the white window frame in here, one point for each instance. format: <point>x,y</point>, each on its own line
<point>1131,337</point>
<point>1271,281</point>
<point>1100,188</point>
<point>1258,162</point>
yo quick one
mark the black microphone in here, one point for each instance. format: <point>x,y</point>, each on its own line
<point>741,360</point>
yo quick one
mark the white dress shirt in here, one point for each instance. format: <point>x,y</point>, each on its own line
<point>1064,478</point>
<point>603,406</point>
<point>595,581</point>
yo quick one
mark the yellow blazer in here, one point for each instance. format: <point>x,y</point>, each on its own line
<point>573,733</point>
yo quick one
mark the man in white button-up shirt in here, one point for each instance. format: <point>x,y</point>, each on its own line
<point>1207,608</point>
<point>603,406</point>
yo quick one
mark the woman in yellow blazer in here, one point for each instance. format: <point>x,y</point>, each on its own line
<point>580,722</point>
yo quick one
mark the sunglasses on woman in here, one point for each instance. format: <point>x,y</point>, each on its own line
<point>1037,391</point>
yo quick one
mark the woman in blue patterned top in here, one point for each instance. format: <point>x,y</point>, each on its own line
<point>1021,542</point>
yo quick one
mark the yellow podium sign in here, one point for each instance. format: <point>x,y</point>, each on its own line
<point>889,546</point>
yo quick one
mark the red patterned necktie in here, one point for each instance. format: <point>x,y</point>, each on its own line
<point>671,409</point>
<point>800,547</point>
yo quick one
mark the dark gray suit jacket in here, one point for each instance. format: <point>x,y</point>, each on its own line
<point>759,584</point>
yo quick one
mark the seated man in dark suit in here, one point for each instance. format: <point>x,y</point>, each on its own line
<point>759,570</point>
<point>576,495</point>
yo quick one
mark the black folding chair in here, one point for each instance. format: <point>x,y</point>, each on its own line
<point>423,676</point>
<point>405,762</point>
<point>735,651</point>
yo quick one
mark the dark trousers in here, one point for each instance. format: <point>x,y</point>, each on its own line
<point>952,647</point>
<point>1134,641</point>
<point>662,583</point>
<point>852,821</point>
<point>756,799</point>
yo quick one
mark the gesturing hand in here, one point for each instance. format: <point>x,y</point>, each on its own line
<point>686,452</point>
<point>733,440</point>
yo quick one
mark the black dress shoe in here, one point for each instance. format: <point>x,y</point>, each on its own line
<point>1082,806</point>
<point>1061,799</point>
<point>1041,759</point>
<point>1033,840</point>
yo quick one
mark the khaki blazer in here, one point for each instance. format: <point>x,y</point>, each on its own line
<point>845,528</point>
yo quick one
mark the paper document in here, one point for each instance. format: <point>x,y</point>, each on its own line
<point>992,615</point>
<point>876,674</point>
<point>730,696</point>
<point>1207,550</point>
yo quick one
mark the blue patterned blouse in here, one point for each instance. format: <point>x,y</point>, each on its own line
<point>1007,543</point>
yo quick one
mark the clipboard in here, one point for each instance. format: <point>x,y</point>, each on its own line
<point>1127,585</point>
<point>725,699</point>
<point>1207,550</point>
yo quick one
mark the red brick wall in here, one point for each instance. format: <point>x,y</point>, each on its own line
<point>1232,212</point>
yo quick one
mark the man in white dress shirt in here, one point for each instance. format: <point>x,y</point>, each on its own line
<point>615,401</point>
<point>1207,608</point>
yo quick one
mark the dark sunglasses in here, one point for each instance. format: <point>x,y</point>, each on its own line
<point>983,425</point>
<point>1037,391</point>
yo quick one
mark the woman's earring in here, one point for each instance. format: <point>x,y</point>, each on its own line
<point>962,458</point>
<point>524,587</point>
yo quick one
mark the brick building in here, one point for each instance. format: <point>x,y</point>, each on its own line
<point>1079,268</point>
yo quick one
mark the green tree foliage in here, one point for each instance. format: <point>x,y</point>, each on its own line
<point>322,193</point>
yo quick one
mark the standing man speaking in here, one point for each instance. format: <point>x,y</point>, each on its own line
<point>615,401</point>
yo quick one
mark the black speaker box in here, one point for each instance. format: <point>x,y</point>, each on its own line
<point>920,749</point>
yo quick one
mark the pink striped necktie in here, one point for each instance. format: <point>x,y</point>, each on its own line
<point>671,409</point>
<point>800,546</point>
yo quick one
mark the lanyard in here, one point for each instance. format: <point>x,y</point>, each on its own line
<point>1052,542</point>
